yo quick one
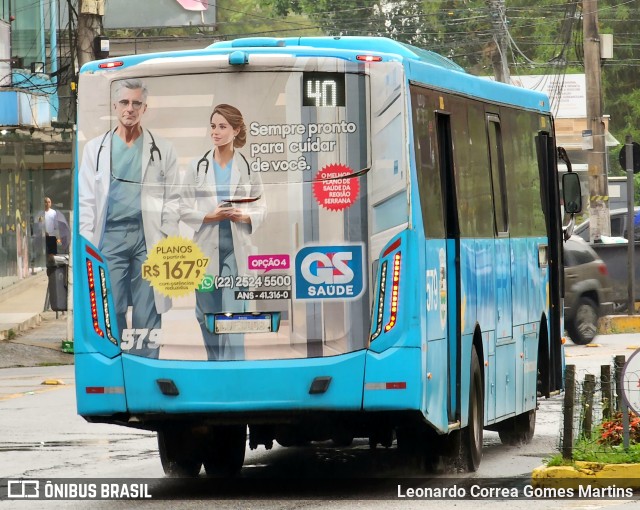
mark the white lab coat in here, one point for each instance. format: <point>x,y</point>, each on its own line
<point>159,194</point>
<point>199,197</point>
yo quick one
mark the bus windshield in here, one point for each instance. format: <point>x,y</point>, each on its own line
<point>246,196</point>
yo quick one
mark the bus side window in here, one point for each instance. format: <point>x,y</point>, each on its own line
<point>428,171</point>
<point>497,174</point>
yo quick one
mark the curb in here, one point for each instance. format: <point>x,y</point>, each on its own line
<point>612,324</point>
<point>31,322</point>
<point>43,345</point>
<point>593,473</point>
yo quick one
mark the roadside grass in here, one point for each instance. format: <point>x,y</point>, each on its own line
<point>589,450</point>
<point>604,444</point>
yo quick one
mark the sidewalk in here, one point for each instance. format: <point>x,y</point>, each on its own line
<point>23,318</point>
<point>30,336</point>
<point>22,305</point>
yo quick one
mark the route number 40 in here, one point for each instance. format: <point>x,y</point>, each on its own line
<point>136,338</point>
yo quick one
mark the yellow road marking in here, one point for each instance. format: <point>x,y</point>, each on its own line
<point>31,392</point>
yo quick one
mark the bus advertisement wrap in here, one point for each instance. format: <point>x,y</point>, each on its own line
<point>194,193</point>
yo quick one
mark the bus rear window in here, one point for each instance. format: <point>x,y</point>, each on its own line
<point>249,213</point>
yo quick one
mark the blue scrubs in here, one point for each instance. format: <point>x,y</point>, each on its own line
<point>224,346</point>
<point>124,245</point>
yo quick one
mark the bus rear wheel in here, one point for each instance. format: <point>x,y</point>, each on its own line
<point>472,435</point>
<point>419,446</point>
<point>224,450</point>
<point>519,429</point>
<point>462,448</point>
<point>178,454</point>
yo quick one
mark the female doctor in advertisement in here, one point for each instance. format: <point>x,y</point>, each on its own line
<point>223,203</point>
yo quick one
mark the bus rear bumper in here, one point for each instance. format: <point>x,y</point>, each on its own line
<point>393,380</point>
<point>99,385</point>
<point>243,386</point>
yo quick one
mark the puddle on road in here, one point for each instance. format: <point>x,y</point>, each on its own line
<point>79,443</point>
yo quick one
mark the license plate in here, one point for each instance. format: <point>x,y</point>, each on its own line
<point>245,323</point>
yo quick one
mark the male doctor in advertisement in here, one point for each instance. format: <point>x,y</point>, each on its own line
<point>129,201</point>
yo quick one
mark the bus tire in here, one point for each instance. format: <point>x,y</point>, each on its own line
<point>419,446</point>
<point>177,453</point>
<point>519,429</point>
<point>342,440</point>
<point>472,434</point>
<point>224,450</point>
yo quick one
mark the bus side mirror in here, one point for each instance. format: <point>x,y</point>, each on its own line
<point>571,193</point>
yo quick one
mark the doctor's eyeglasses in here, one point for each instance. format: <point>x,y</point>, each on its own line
<point>135,104</point>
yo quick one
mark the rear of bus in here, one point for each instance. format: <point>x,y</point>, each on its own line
<point>324,177</point>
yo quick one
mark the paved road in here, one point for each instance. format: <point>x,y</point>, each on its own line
<point>70,446</point>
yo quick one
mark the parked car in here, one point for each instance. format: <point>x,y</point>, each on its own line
<point>587,290</point>
<point>618,225</point>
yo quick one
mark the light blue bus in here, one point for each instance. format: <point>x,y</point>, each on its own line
<point>308,239</point>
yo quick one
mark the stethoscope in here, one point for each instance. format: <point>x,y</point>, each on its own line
<point>154,148</point>
<point>242,200</point>
<point>205,159</point>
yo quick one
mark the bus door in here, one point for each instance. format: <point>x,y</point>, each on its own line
<point>452,260</point>
<point>502,382</point>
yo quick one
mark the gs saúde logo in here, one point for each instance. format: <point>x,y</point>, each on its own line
<point>330,272</point>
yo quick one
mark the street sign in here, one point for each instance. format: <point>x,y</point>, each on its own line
<point>622,157</point>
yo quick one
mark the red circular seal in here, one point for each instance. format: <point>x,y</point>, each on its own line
<point>332,191</point>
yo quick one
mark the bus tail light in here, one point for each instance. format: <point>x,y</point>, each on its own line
<point>369,58</point>
<point>395,286</point>
<point>92,298</point>
<point>381,294</point>
<point>111,64</point>
<point>105,306</point>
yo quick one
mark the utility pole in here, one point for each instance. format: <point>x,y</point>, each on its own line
<point>499,56</point>
<point>599,220</point>
<point>90,14</point>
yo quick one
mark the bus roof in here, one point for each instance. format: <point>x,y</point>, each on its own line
<point>344,43</point>
<point>421,65</point>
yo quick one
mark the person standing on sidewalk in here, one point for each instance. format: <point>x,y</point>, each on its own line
<point>53,224</point>
<point>51,230</point>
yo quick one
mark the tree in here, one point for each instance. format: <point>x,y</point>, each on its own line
<point>89,26</point>
<point>246,18</point>
<point>335,17</point>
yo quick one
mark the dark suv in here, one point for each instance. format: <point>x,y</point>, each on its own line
<point>587,290</point>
